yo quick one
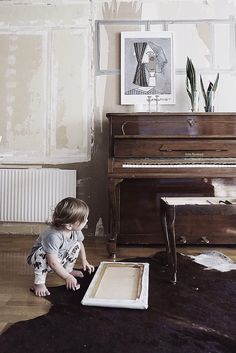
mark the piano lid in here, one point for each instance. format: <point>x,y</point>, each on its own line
<point>173,124</point>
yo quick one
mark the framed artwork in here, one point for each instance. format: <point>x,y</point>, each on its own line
<point>147,67</point>
<point>119,285</point>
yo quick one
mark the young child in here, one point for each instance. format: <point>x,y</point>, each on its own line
<point>58,247</point>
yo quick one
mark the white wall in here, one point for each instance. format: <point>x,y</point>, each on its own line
<point>45,86</point>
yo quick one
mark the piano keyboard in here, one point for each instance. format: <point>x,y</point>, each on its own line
<point>178,165</point>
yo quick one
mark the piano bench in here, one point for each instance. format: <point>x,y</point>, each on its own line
<point>203,205</point>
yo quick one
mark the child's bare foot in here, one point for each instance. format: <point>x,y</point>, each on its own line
<point>40,290</point>
<point>77,273</point>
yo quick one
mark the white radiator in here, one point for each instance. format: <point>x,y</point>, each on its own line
<point>29,195</point>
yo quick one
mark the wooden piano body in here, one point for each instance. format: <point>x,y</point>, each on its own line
<point>152,155</point>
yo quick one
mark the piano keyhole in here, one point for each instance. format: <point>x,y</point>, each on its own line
<point>191,122</point>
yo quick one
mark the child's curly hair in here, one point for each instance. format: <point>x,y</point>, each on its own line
<point>69,211</point>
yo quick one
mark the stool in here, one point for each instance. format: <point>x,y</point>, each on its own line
<point>204,205</point>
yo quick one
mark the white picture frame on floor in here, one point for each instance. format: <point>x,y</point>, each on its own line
<point>119,285</point>
<point>147,67</point>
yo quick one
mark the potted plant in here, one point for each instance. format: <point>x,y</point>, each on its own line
<point>191,85</point>
<point>209,95</point>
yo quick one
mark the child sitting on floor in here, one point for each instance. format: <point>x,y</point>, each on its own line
<point>58,247</point>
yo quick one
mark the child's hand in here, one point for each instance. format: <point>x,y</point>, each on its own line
<point>71,283</point>
<point>87,265</point>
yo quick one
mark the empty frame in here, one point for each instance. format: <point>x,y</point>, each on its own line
<point>119,285</point>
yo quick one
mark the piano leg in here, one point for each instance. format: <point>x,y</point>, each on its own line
<point>168,226</point>
<point>114,196</point>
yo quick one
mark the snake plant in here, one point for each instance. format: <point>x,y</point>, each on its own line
<point>191,83</point>
<point>208,94</point>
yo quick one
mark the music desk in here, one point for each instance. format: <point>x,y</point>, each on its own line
<point>169,206</point>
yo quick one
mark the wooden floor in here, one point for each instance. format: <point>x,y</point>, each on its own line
<point>18,303</point>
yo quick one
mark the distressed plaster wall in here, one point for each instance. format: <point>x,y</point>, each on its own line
<point>54,98</point>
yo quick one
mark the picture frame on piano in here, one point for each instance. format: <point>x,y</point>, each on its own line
<point>147,67</point>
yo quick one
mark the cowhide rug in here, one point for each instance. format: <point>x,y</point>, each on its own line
<point>197,315</point>
<point>215,260</point>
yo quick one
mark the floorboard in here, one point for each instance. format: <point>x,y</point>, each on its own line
<point>17,303</point>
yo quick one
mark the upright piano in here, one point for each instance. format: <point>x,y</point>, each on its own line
<point>154,155</point>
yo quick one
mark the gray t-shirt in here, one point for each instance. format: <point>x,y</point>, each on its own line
<point>53,241</point>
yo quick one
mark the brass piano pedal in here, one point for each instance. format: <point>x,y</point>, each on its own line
<point>204,240</point>
<point>182,240</point>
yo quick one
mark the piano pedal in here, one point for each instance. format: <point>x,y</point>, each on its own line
<point>204,240</point>
<point>182,239</point>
